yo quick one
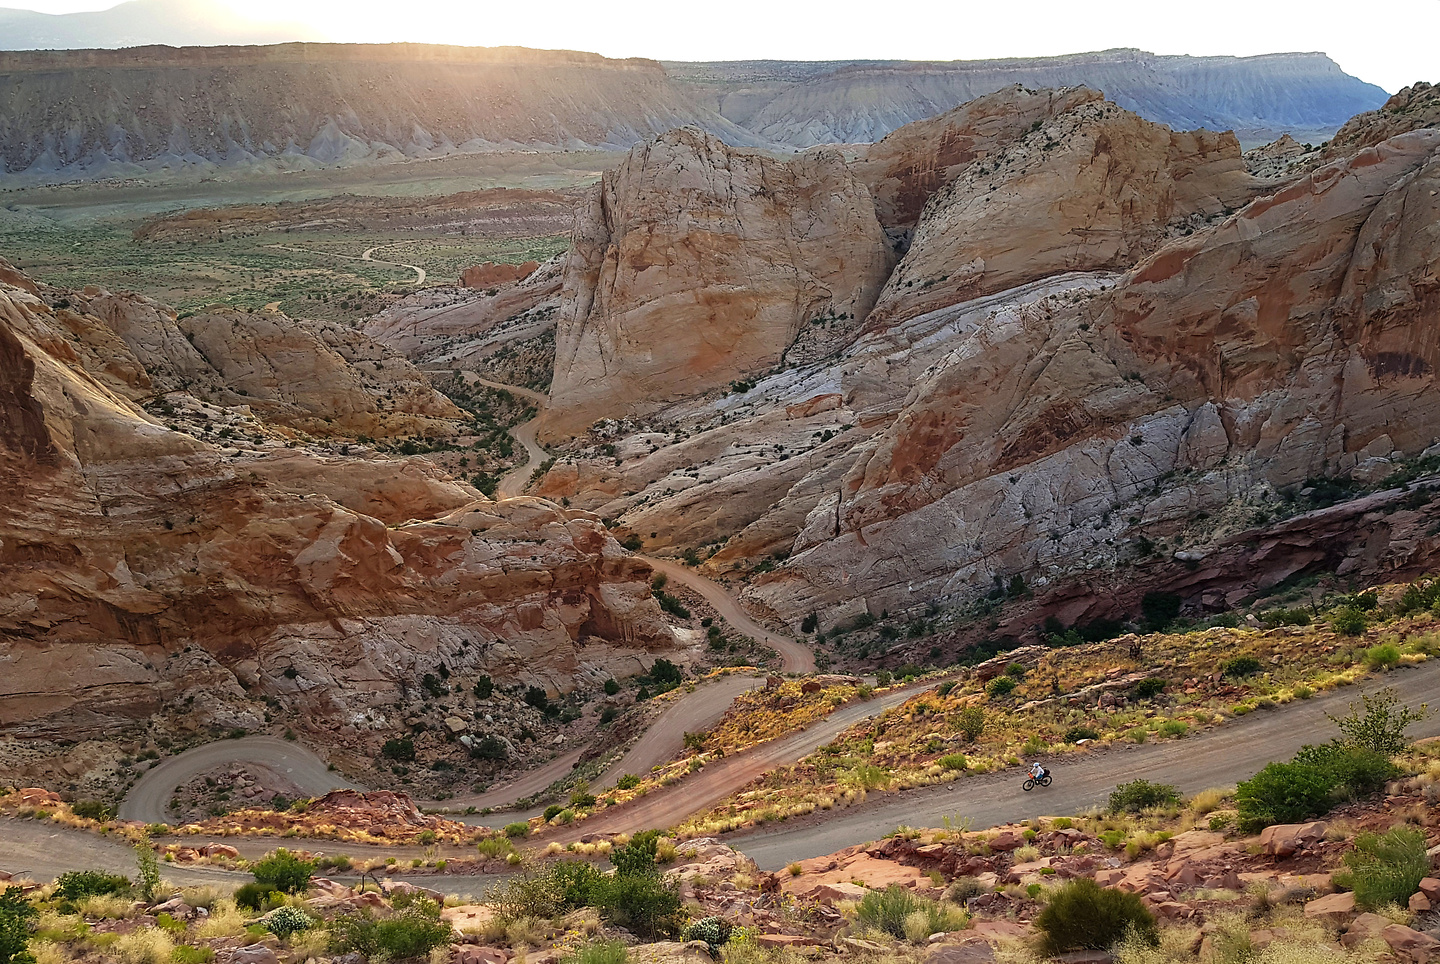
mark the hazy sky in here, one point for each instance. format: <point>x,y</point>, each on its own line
<point>1391,42</point>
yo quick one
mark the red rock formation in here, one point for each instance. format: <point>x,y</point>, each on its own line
<point>491,275</point>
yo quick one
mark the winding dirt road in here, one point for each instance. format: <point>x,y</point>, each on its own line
<point>794,658</point>
<point>366,255</point>
<point>1220,757</point>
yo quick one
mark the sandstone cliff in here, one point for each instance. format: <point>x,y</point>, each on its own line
<point>1061,436</point>
<point>695,264</point>
<point>1093,187</point>
<point>143,571</point>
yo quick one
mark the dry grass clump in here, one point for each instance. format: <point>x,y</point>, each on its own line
<point>225,920</point>
<point>144,946</point>
<point>107,907</point>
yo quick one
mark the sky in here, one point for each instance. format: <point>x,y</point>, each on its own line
<point>1391,43</point>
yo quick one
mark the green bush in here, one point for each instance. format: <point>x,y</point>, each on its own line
<point>1285,617</point>
<point>551,811</point>
<point>597,952</point>
<point>1082,915</point>
<point>1077,733</point>
<point>496,846</point>
<point>644,904</point>
<point>191,954</point>
<point>953,761</point>
<point>284,871</point>
<point>627,781</point>
<point>254,896</point>
<point>971,722</point>
<point>1348,621</point>
<point>637,856</point>
<point>1283,793</point>
<point>612,687</point>
<point>517,829</point>
<point>412,931</point>
<point>664,671</point>
<point>1354,771</point>
<point>285,921</point>
<point>1239,667</point>
<point>906,915</point>
<point>484,688</point>
<point>16,916</point>
<point>1016,671</point>
<point>553,890</point>
<point>1387,868</point>
<point>1147,688</point>
<point>1383,656</point>
<point>401,748</point>
<point>1000,686</point>
<point>1418,597</point>
<point>714,931</point>
<point>75,884</point>
<point>1139,795</point>
<point>1378,722</point>
<point>92,810</point>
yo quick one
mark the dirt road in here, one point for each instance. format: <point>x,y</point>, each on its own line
<point>720,778</point>
<point>512,483</point>
<point>147,798</point>
<point>794,658</point>
<point>1220,757</point>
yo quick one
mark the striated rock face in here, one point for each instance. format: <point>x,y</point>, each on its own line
<point>695,264</point>
<point>317,376</point>
<point>143,571</point>
<point>1095,187</point>
<point>491,275</point>
<point>1293,339</point>
<point>904,170</point>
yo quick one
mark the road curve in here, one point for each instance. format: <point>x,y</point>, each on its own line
<point>512,483</point>
<point>1219,757</point>
<point>147,798</point>
<point>720,778</point>
<point>794,658</point>
<point>419,271</point>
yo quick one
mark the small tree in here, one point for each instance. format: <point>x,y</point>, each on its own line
<point>638,856</point>
<point>285,872</point>
<point>971,722</point>
<point>611,687</point>
<point>16,916</point>
<point>1378,722</point>
<point>147,870</point>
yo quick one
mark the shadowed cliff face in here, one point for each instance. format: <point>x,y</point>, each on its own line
<point>141,568</point>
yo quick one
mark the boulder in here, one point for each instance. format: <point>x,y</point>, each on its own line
<point>1410,944</point>
<point>1363,928</point>
<point>473,954</point>
<point>1288,839</point>
<point>969,952</point>
<point>1331,907</point>
<point>254,954</point>
<point>833,893</point>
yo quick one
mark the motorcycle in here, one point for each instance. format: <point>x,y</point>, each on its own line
<point>1038,776</point>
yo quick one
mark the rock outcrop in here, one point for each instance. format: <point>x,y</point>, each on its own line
<point>695,264</point>
<point>492,275</point>
<point>144,571</point>
<point>1415,108</point>
<point>1092,188</point>
<point>1289,341</point>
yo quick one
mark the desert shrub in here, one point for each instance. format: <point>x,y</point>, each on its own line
<point>810,623</point>
<point>1077,733</point>
<point>627,781</point>
<point>1147,688</point>
<point>1238,667</point>
<point>965,888</point>
<point>92,810</point>
<point>1174,727</point>
<point>597,952</point>
<point>953,761</point>
<point>1016,671</point>
<point>284,921</point>
<point>1418,596</point>
<point>714,931</point>
<point>517,829</point>
<point>1353,770</point>
<point>664,671</point>
<point>490,748</point>
<point>74,884</point>
<point>147,870</point>
<point>254,896</point>
<point>1082,915</point>
<point>1000,686</point>
<point>144,946</point>
<point>971,722</point>
<point>551,891</point>
<point>944,688</point>
<point>498,846</point>
<point>643,903</point>
<point>1140,795</point>
<point>612,687</point>
<point>536,697</point>
<point>1382,656</point>
<point>484,688</point>
<point>1378,721</point>
<point>413,931</point>
<point>1348,621</point>
<point>16,916</point>
<point>903,914</point>
<point>284,871</point>
<point>1283,793</point>
<point>637,856</point>
<point>552,811</point>
<point>1285,617</point>
<point>581,798</point>
<point>191,954</point>
<point>401,748</point>
<point>1387,868</point>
